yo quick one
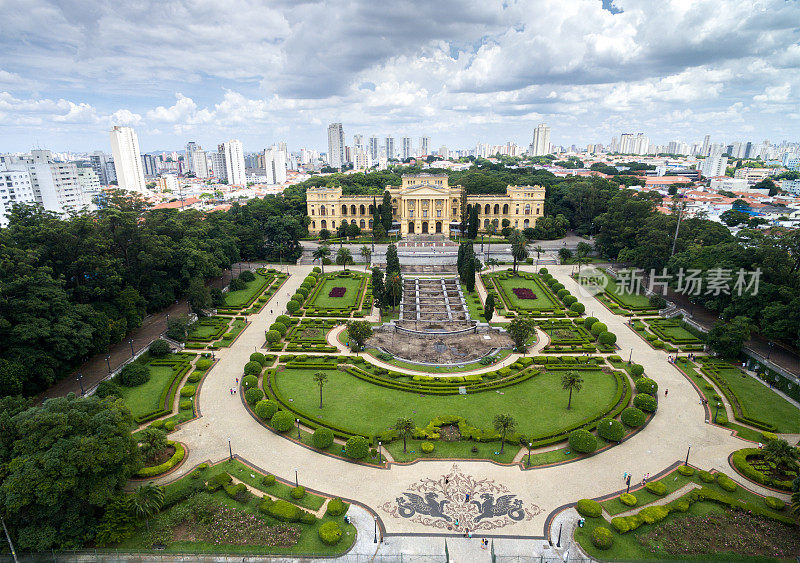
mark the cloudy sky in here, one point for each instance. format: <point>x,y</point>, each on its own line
<point>459,71</point>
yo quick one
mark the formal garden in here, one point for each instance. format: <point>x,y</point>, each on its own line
<point>672,335</point>
<point>214,332</point>
<point>714,518</point>
<point>524,293</point>
<point>334,294</point>
<point>618,301</point>
<point>231,508</point>
<point>250,291</point>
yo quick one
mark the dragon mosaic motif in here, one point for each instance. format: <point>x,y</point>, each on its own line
<point>460,502</point>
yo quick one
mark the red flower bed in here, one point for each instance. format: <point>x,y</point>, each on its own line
<point>337,292</point>
<point>524,293</point>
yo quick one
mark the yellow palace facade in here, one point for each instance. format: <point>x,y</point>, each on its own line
<point>424,204</point>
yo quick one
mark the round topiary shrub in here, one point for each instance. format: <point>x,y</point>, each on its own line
<point>562,292</point>
<point>657,488</point>
<point>268,480</point>
<point>265,409</point>
<point>253,395</point>
<point>646,385</point>
<point>273,336</point>
<point>357,447</point>
<point>252,368</point>
<point>426,447</point>
<point>579,308</point>
<point>107,389</point>
<point>280,328</point>
<point>247,276</point>
<point>282,421</point>
<point>569,300</point>
<point>636,370</point>
<point>203,364</point>
<point>298,492</point>
<point>169,425</point>
<point>302,291</point>
<point>134,375</point>
<point>645,402</point>
<point>258,357</point>
<point>336,507</point>
<point>284,511</point>
<point>543,271</point>
<point>299,297</point>
<point>607,338</point>
<point>159,348</point>
<point>774,503</point>
<point>610,429</point>
<point>188,391</point>
<point>156,424</point>
<point>602,538</point>
<point>292,306</point>
<point>194,377</point>
<point>632,417</point>
<point>285,320</point>
<point>582,441</point>
<point>249,381</point>
<point>322,438</point>
<point>686,470</point>
<point>589,508</point>
<point>330,533</point>
<point>184,405</point>
<point>589,321</point>
<point>628,499</point>
<point>598,327</point>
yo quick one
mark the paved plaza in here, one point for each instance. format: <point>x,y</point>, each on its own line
<point>427,497</point>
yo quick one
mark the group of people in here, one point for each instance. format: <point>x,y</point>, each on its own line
<point>626,476</point>
<point>233,389</point>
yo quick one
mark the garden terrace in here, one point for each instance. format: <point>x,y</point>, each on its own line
<point>674,331</point>
<point>307,335</point>
<point>567,335</point>
<point>528,293</point>
<point>367,400</point>
<point>154,398</point>
<point>433,305</point>
<point>753,402</point>
<point>214,332</point>
<point>439,349</point>
<point>751,464</point>
<point>622,303</point>
<point>252,298</point>
<point>337,294</point>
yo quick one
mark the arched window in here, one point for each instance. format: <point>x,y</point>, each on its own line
<point>352,210</point>
<point>313,224</point>
<point>352,221</point>
<point>323,224</point>
<point>362,223</point>
<point>527,209</point>
<point>526,223</point>
<point>322,210</point>
<point>495,222</point>
<point>505,209</point>
<point>497,209</point>
<point>486,209</point>
<point>469,208</point>
<point>312,210</point>
<point>362,209</point>
<point>486,222</point>
<point>344,210</point>
<point>371,209</point>
<point>370,224</point>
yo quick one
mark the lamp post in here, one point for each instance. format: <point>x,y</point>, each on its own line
<point>530,445</point>
<point>769,351</point>
<point>687,455</point>
<point>131,343</point>
<point>716,411</point>
<point>297,420</point>
<point>79,379</point>
<point>380,452</point>
<point>558,543</point>
<point>375,539</point>
<point>630,356</point>
<point>230,449</point>
<point>108,363</point>
<point>296,480</point>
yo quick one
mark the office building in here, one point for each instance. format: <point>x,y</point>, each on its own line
<point>374,149</point>
<point>444,154</point>
<point>541,140</point>
<point>336,145</point>
<point>424,146</point>
<point>234,162</point>
<point>275,165</point>
<point>407,152</point>
<point>127,159</point>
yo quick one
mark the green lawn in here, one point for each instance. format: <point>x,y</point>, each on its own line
<point>145,398</point>
<point>544,299</point>
<point>350,298</point>
<point>760,402</point>
<point>627,299</point>
<point>242,297</point>
<point>473,306</point>
<point>460,450</point>
<point>538,404</point>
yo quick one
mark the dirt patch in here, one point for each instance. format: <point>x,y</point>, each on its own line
<point>449,433</point>
<point>450,349</point>
<point>733,532</point>
<point>161,457</point>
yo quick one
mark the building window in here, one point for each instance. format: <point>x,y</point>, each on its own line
<point>438,212</point>
<point>424,213</point>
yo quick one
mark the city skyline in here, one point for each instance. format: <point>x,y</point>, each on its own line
<point>587,68</point>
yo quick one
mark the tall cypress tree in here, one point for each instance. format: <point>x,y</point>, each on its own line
<point>460,261</point>
<point>469,274</point>
<point>474,223</point>
<point>386,211</point>
<point>392,261</point>
<point>377,285</point>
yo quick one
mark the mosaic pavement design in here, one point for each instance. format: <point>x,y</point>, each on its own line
<point>461,502</point>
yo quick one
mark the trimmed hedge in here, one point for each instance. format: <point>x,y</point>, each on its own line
<point>330,533</point>
<point>646,385</point>
<point>686,470</point>
<point>336,507</point>
<point>743,466</point>
<point>645,402</point>
<point>657,488</point>
<point>602,538</point>
<point>253,395</point>
<point>265,409</point>
<point>589,508</point>
<point>357,447</point>
<point>628,499</point>
<point>726,483</point>
<point>582,441</point>
<point>611,429</point>
<point>282,421</point>
<point>154,470</point>
<point>774,503</point>
<point>633,417</point>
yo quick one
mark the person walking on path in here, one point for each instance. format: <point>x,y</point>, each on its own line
<point>666,392</point>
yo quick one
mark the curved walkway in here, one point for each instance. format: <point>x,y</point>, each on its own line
<point>679,423</point>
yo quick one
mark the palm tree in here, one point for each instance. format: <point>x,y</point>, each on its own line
<point>538,250</point>
<point>320,379</point>
<point>344,257</point>
<point>146,500</point>
<point>779,452</point>
<point>519,247</point>
<point>582,251</point>
<point>492,262</point>
<point>281,249</point>
<point>571,381</point>
<point>321,253</point>
<point>366,254</point>
<point>795,507</point>
<point>503,423</point>
<point>405,427</point>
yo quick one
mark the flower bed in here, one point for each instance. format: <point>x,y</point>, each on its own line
<point>337,292</point>
<point>524,293</point>
<point>154,470</point>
